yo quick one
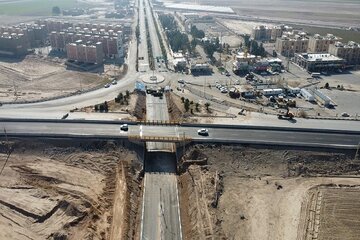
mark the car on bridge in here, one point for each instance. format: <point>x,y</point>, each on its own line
<point>203,132</point>
<point>124,127</point>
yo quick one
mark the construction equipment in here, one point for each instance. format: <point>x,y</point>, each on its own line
<point>287,115</point>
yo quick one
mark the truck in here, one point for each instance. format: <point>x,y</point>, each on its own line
<point>315,75</point>
<point>287,115</point>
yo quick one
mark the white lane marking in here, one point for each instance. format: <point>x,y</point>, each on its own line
<point>142,211</point>
<point>178,207</point>
<point>176,131</point>
<point>141,128</point>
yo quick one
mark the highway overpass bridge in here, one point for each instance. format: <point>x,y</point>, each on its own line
<point>179,133</point>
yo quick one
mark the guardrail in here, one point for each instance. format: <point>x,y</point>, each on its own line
<point>158,138</point>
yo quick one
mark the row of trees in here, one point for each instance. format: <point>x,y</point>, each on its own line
<point>196,33</point>
<point>123,99</point>
<point>189,105</point>
<point>162,46</point>
<point>177,40</point>
<point>168,22</point>
<point>149,45</point>
<point>253,47</point>
<point>212,46</point>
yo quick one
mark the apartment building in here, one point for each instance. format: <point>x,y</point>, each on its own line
<point>35,34</point>
<point>85,52</point>
<point>266,33</point>
<point>13,45</point>
<point>112,43</point>
<point>291,43</point>
<point>320,44</point>
<point>350,52</point>
<point>261,33</point>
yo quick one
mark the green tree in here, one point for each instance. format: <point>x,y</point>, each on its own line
<point>56,10</point>
<point>207,105</point>
<point>187,105</point>
<point>274,53</point>
<point>197,105</point>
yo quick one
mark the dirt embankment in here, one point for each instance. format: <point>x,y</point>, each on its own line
<point>140,106</point>
<point>237,192</point>
<point>174,110</point>
<point>68,190</point>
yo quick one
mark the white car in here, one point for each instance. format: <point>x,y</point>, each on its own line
<point>114,82</point>
<point>107,85</point>
<point>181,81</point>
<point>203,132</point>
<point>124,127</point>
<point>223,90</point>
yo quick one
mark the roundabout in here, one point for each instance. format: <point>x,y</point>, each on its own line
<point>152,78</point>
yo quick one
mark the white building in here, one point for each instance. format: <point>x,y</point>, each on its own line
<point>307,95</point>
<point>272,91</point>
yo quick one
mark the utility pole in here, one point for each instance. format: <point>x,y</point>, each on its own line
<point>357,152</point>
<point>220,46</point>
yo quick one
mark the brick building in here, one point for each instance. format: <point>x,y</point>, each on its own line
<point>85,52</point>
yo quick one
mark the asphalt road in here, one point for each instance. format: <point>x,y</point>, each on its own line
<point>161,207</point>
<point>152,30</point>
<point>143,48</point>
<point>160,212</point>
<point>230,135</point>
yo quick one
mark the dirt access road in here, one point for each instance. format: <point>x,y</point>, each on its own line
<point>68,190</point>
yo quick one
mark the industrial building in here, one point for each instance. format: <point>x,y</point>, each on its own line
<point>320,44</point>
<point>291,43</point>
<point>317,62</point>
<point>85,52</point>
<point>350,52</point>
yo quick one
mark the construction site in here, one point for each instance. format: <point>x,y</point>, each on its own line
<point>92,189</point>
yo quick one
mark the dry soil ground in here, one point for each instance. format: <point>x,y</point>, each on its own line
<point>330,12</point>
<point>34,78</point>
<point>236,192</point>
<point>68,190</point>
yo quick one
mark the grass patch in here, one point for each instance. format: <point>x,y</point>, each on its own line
<point>34,7</point>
